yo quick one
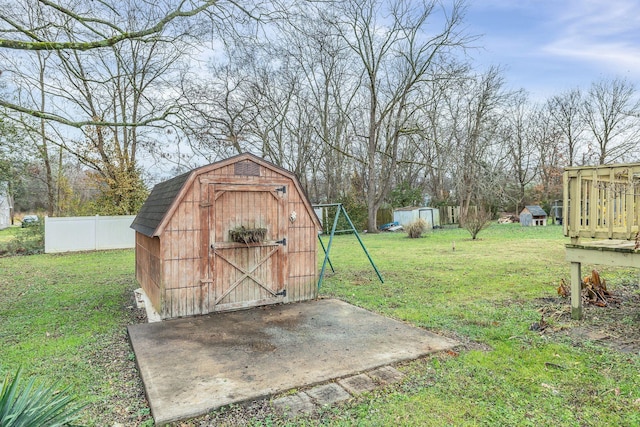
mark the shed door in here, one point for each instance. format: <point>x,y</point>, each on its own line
<point>247,274</point>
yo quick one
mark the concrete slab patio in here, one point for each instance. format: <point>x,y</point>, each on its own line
<point>194,365</point>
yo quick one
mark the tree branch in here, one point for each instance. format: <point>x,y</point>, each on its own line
<point>82,123</point>
<point>37,44</point>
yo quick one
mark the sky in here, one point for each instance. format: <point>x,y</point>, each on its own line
<point>550,46</point>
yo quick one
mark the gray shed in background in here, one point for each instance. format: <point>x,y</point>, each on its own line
<point>532,216</point>
<point>405,216</point>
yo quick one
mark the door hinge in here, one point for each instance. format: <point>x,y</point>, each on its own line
<point>282,293</point>
<point>282,242</point>
<point>283,189</point>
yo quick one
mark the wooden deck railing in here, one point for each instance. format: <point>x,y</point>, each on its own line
<point>602,202</point>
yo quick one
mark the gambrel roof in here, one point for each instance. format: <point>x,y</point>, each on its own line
<point>157,204</point>
<point>165,196</point>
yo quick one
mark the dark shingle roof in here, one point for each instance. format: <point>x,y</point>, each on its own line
<point>157,204</point>
<point>536,210</point>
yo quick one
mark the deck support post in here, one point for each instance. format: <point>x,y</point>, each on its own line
<point>576,291</point>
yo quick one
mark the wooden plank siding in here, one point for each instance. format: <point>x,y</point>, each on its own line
<point>186,262</point>
<point>303,252</point>
<point>148,268</point>
<point>181,253</point>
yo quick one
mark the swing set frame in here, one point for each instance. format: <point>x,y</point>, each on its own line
<point>327,249</point>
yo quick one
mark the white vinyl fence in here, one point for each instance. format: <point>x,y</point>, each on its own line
<point>88,233</point>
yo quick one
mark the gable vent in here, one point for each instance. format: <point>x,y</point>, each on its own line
<point>247,168</point>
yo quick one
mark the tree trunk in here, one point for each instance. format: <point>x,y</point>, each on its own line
<point>43,149</point>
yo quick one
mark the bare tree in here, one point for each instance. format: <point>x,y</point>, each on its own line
<point>567,114</point>
<point>116,94</point>
<point>129,83</point>
<point>31,91</point>
<point>520,139</point>
<point>395,57</point>
<point>12,161</point>
<point>475,113</point>
<point>333,93</point>
<point>100,26</point>
<point>611,113</point>
<point>476,220</point>
<point>328,86</point>
<point>89,25</point>
<point>36,131</point>
<point>286,97</point>
<point>437,143</point>
<point>551,156</point>
<point>218,110</point>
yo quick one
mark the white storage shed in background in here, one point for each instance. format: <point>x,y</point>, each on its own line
<point>5,206</point>
<point>405,216</point>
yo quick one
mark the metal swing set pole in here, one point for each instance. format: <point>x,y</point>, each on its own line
<point>340,208</point>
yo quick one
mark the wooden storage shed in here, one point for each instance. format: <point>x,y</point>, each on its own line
<point>533,216</point>
<point>187,260</point>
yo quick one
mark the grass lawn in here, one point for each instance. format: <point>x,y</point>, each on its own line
<point>64,317</point>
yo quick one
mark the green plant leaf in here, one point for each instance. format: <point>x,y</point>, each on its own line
<point>35,404</point>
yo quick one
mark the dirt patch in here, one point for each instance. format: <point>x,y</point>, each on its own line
<point>616,325</point>
<point>466,344</point>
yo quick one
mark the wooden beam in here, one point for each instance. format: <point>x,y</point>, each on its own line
<point>576,291</point>
<point>628,199</point>
<point>565,203</point>
<point>611,203</point>
<point>620,253</point>
<point>594,202</point>
<point>577,212</point>
<point>603,256</point>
